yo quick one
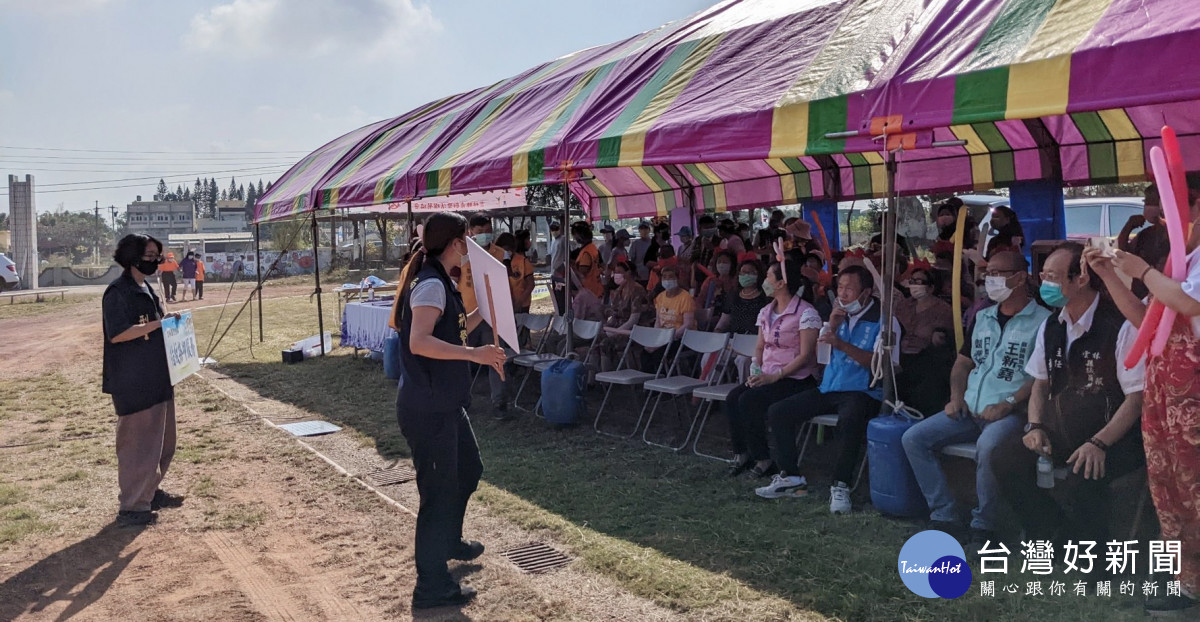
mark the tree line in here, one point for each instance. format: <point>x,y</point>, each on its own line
<point>205,193</point>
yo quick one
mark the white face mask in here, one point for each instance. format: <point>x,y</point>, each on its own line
<point>670,285</point>
<point>853,308</point>
<point>997,288</point>
<point>918,291</point>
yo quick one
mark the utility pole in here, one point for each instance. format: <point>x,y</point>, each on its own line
<point>96,241</point>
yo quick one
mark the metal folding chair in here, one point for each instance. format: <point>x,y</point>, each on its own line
<point>741,345</point>
<point>645,337</point>
<point>701,343</point>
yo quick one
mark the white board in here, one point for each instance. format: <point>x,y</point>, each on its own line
<point>483,264</point>
<point>180,339</point>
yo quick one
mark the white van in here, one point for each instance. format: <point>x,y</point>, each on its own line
<point>9,279</point>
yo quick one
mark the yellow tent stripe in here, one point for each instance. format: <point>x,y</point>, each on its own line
<point>443,188</point>
<point>787,180</point>
<point>660,204</point>
<point>878,173</point>
<point>981,160</point>
<point>718,188</point>
<point>1038,88</point>
<point>633,142</point>
<point>789,130</point>
<point>401,163</point>
<point>1064,29</point>
<point>520,172</point>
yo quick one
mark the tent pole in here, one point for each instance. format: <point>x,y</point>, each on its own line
<point>567,263</point>
<point>412,230</point>
<point>887,288</point>
<point>317,276</point>
<point>259,273</point>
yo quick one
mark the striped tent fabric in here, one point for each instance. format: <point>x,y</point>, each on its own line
<point>755,103</point>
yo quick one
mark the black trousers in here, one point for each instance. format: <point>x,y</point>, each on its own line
<point>199,289</point>
<point>746,407</point>
<point>854,409</point>
<point>169,283</point>
<point>1084,514</point>
<point>446,458</point>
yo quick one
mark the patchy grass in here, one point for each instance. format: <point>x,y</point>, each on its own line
<point>10,494</point>
<point>26,306</point>
<point>234,517</point>
<point>17,523</point>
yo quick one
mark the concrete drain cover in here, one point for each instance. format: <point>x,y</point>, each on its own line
<point>310,428</point>
<point>387,477</point>
<point>535,558</point>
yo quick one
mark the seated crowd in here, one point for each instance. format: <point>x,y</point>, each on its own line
<point>1039,374</point>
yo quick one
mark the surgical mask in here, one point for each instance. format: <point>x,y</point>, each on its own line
<point>507,255</point>
<point>618,278</point>
<point>997,288</point>
<point>1052,293</point>
<point>851,309</point>
<point>722,269</point>
<point>670,284</point>
<point>768,288</point>
<point>482,239</point>
<point>747,280</point>
<point>918,291</point>
<point>147,268</point>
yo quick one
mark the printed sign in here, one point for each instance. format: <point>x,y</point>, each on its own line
<point>180,338</point>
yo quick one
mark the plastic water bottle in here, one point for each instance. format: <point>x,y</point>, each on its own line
<point>371,294</point>
<point>824,350</point>
<point>1045,472</point>
<point>755,370</point>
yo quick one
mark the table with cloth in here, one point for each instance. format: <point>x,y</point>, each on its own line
<point>365,324</point>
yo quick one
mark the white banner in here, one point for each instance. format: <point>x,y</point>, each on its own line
<point>471,202</point>
<point>180,338</point>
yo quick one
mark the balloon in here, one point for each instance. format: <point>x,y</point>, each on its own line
<point>956,288</point>
<point>1178,262</point>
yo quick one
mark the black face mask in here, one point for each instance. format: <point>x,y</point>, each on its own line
<point>147,267</point>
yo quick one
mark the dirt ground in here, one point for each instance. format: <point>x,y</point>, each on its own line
<point>269,530</point>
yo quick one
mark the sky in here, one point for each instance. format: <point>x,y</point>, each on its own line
<point>102,93</point>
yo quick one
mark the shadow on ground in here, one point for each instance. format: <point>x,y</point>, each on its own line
<point>679,504</point>
<point>78,575</point>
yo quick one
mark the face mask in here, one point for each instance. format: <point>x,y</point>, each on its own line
<point>619,278</point>
<point>1052,293</point>
<point>147,268</point>
<point>722,269</point>
<point>747,280</point>
<point>997,288</point>
<point>507,255</point>
<point>853,308</point>
<point>918,291</point>
<point>768,289</point>
<point>482,239</point>
<point>670,284</point>
<point>708,233</point>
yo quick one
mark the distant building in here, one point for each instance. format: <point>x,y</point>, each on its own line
<point>231,218</point>
<point>160,218</point>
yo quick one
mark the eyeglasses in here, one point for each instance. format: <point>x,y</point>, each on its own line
<point>1000,272</point>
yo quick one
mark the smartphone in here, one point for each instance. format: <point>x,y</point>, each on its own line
<point>1104,244</point>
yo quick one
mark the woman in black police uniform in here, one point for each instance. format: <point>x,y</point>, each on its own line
<point>431,403</point>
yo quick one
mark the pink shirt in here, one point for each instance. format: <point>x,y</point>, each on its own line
<point>781,338</point>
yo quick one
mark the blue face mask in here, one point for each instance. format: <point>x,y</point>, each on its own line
<point>482,239</point>
<point>1052,294</point>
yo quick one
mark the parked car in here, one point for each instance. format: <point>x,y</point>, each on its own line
<point>1085,218</point>
<point>9,279</point>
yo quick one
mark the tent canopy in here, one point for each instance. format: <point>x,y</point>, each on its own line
<point>764,102</point>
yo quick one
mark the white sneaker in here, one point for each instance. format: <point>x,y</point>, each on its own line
<point>839,498</point>
<point>783,486</point>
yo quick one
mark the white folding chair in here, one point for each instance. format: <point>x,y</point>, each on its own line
<point>645,337</point>
<point>741,345</point>
<point>701,343</point>
<point>547,324</point>
<point>584,330</point>
<point>829,421</point>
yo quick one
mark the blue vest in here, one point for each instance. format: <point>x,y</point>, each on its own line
<point>432,385</point>
<point>1000,355</point>
<point>844,373</point>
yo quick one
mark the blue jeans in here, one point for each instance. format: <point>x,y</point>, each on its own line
<point>924,441</point>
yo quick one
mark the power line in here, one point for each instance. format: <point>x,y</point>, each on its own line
<point>115,159</point>
<point>117,170</point>
<point>5,193</point>
<point>143,151</point>
<point>164,178</point>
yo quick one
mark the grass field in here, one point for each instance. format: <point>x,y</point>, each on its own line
<point>667,526</point>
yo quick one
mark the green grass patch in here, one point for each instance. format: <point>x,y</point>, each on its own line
<point>10,494</point>
<point>72,476</point>
<point>17,523</point>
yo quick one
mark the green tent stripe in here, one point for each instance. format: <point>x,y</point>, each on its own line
<point>1004,167</point>
<point>664,186</point>
<point>707,191</point>
<point>856,159</point>
<point>610,147</point>
<point>1092,127</point>
<point>862,180</point>
<point>980,96</point>
<point>803,185</point>
<point>826,116</point>
<point>536,166</point>
<point>795,165</point>
<point>593,79</point>
<point>1102,162</point>
<point>991,137</point>
<point>1013,29</point>
<point>430,135</point>
<point>431,184</point>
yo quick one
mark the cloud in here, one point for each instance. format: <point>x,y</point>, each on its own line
<point>57,8</point>
<point>368,29</point>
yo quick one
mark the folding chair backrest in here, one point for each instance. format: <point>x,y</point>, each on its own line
<point>559,325</point>
<point>520,319</point>
<point>648,337</point>
<point>537,323</point>
<point>703,318</point>
<point>703,342</point>
<point>586,329</point>
<point>745,345</point>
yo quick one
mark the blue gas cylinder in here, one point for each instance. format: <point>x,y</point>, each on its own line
<point>391,357</point>
<point>894,489</point>
<point>563,386</point>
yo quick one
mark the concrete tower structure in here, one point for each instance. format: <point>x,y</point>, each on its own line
<point>24,230</point>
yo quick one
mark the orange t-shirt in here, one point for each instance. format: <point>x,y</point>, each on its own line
<point>589,267</point>
<point>168,265</point>
<point>199,270</point>
<point>518,281</point>
<point>466,286</point>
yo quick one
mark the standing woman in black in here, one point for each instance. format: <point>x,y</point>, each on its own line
<point>434,392</point>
